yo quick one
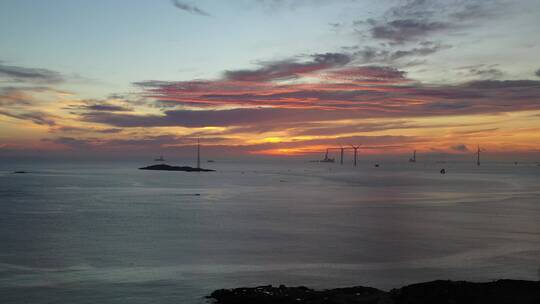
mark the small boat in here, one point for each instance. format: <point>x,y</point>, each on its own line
<point>160,159</point>
<point>211,161</point>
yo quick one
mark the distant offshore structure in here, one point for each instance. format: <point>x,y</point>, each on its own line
<point>355,148</point>
<point>159,159</point>
<point>326,159</point>
<point>165,167</point>
<point>198,153</point>
<point>341,149</point>
<point>413,158</point>
<point>478,156</point>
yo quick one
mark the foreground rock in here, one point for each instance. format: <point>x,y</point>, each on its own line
<point>282,294</point>
<point>439,292</point>
<point>163,167</point>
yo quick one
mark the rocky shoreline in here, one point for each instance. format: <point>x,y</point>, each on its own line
<point>435,292</point>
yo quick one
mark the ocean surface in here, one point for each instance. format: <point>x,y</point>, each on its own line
<point>109,233</point>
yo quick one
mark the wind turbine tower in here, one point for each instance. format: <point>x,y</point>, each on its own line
<point>355,153</point>
<point>198,153</point>
<point>478,156</point>
<point>413,158</point>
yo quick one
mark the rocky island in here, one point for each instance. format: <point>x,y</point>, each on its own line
<point>164,167</point>
<point>439,292</point>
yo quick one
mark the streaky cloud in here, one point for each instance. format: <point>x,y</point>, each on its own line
<point>417,20</point>
<point>371,73</point>
<point>205,118</point>
<point>144,143</point>
<point>98,106</point>
<point>403,30</point>
<point>288,69</point>
<point>36,117</point>
<point>73,129</point>
<point>22,74</point>
<point>460,148</point>
<point>190,8</point>
<point>503,84</point>
<point>425,48</point>
<point>393,55</point>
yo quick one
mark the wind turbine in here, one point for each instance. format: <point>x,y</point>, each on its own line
<point>342,150</point>
<point>355,153</point>
<point>478,156</point>
<point>413,159</point>
<point>198,152</point>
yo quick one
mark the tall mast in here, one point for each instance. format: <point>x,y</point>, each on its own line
<point>478,156</point>
<point>198,153</point>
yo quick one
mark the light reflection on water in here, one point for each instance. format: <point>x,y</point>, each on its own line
<point>107,233</point>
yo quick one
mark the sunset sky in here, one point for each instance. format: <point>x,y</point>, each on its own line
<point>147,77</point>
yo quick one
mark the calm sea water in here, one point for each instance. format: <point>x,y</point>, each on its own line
<point>108,233</point>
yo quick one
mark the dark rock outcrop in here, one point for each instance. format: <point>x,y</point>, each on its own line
<point>290,295</point>
<point>435,292</point>
<point>446,292</point>
<point>164,167</point>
